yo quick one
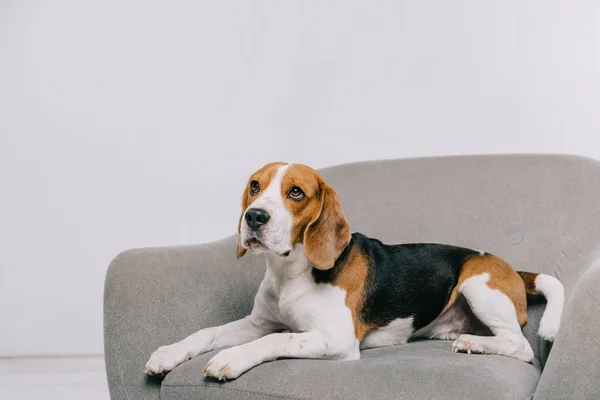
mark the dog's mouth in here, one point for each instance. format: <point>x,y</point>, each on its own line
<point>256,245</point>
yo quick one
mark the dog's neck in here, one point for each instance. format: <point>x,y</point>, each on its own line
<point>296,265</point>
<point>290,267</point>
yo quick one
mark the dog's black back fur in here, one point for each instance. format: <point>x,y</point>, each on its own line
<point>405,280</point>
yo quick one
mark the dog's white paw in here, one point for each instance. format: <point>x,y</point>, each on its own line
<point>548,331</point>
<point>468,344</point>
<point>228,364</point>
<point>166,358</point>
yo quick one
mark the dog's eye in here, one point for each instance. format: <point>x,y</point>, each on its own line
<point>254,187</point>
<point>296,193</point>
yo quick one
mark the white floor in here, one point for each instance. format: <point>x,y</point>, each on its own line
<point>53,378</point>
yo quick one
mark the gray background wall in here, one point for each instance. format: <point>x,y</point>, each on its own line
<point>136,123</point>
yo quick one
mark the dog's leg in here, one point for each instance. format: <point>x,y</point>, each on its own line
<point>231,363</point>
<point>497,312</point>
<point>241,331</point>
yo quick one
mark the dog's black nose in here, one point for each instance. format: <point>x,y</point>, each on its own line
<point>256,217</point>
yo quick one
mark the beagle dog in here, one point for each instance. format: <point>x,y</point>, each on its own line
<point>328,293</point>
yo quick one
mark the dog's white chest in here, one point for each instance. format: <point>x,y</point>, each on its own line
<point>303,305</point>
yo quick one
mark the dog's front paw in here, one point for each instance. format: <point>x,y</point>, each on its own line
<point>228,364</point>
<point>166,358</point>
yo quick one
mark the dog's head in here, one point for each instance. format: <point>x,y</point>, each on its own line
<point>288,204</point>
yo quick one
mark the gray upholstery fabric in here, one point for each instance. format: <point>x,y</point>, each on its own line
<point>573,368</point>
<point>419,370</point>
<point>541,213</point>
<point>158,296</point>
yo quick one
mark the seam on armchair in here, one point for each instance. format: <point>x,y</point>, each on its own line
<point>273,396</point>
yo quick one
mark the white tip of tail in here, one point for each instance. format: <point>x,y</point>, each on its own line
<point>554,293</point>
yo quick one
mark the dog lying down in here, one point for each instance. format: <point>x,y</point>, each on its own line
<point>339,292</point>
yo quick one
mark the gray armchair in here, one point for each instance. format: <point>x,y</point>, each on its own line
<point>540,213</point>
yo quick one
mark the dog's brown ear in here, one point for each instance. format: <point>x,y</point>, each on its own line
<point>328,233</point>
<point>240,251</point>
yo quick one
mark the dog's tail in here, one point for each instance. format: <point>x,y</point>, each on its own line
<point>554,292</point>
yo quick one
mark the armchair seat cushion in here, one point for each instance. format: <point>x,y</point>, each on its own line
<point>418,370</point>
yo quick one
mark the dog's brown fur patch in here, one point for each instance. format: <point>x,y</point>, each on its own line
<point>502,277</point>
<point>319,220</point>
<point>529,280</point>
<point>352,278</point>
<point>309,207</point>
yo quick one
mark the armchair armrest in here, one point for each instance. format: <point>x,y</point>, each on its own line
<point>573,367</point>
<point>156,296</point>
